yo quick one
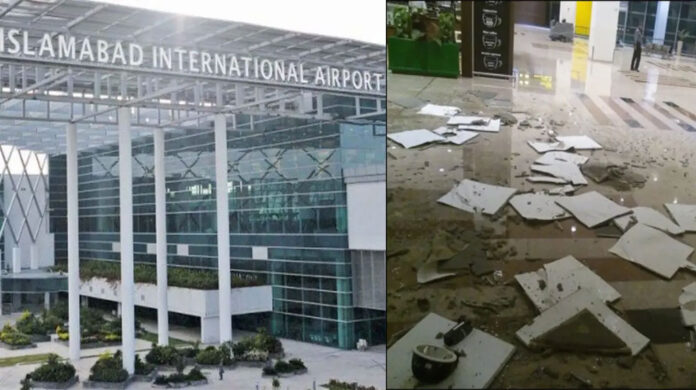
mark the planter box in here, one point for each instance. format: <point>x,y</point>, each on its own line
<point>39,338</point>
<point>145,378</point>
<point>14,347</point>
<point>107,385</point>
<point>423,57</point>
<point>55,385</point>
<point>182,385</point>
<point>254,364</point>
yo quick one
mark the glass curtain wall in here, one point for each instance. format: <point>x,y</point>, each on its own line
<point>681,16</point>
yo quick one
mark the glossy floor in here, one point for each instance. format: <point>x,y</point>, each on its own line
<point>644,120</point>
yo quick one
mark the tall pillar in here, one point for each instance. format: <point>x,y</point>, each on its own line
<point>223,228</point>
<point>660,22</point>
<point>16,260</point>
<point>161,239</point>
<point>567,12</point>
<point>604,22</point>
<point>125,174</point>
<point>34,255</point>
<point>47,301</point>
<point>73,244</point>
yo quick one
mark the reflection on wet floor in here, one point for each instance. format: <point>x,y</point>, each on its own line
<point>645,128</point>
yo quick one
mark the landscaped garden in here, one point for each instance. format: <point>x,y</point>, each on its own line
<point>12,338</point>
<point>258,348</point>
<point>283,368</point>
<point>192,378</point>
<point>108,368</point>
<point>338,385</point>
<point>53,371</point>
<point>202,279</point>
<point>95,329</point>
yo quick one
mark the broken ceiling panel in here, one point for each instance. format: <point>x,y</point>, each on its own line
<point>687,303</point>
<point>537,206</point>
<point>559,279</point>
<point>543,147</point>
<point>684,214</point>
<point>567,189</point>
<point>493,126</point>
<point>486,355</point>
<point>411,138</point>
<point>568,171</point>
<point>468,120</point>
<point>474,197</point>
<point>653,218</point>
<point>429,272</point>
<point>546,179</point>
<point>624,222</point>
<point>579,142</point>
<point>436,110</point>
<point>563,157</point>
<point>455,136</point>
<point>582,322</point>
<point>653,250</point>
<point>591,208</point>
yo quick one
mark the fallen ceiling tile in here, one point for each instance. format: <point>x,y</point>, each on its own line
<point>684,214</point>
<point>436,110</point>
<point>486,355</point>
<point>653,218</point>
<point>537,206</point>
<point>653,250</point>
<point>543,147</point>
<point>546,179</point>
<point>568,171</point>
<point>567,189</point>
<point>461,137</point>
<point>411,138</point>
<point>624,222</point>
<point>474,197</point>
<point>558,279</point>
<point>563,157</point>
<point>609,231</point>
<point>687,303</point>
<point>444,130</point>
<point>582,322</point>
<point>591,208</point>
<point>429,272</point>
<point>468,120</point>
<point>471,254</point>
<point>493,126</point>
<point>579,142</point>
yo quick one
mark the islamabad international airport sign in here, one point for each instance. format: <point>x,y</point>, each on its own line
<point>86,50</point>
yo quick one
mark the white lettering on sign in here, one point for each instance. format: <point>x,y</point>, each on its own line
<point>117,53</point>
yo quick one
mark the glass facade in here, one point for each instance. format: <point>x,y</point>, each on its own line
<point>286,193</point>
<point>681,16</point>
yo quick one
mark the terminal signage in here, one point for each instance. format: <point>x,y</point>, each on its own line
<point>58,46</point>
<point>493,38</point>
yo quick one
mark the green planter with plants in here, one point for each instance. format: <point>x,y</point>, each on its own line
<point>53,375</point>
<point>423,44</point>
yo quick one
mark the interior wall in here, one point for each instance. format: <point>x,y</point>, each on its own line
<point>567,12</point>
<point>535,13</point>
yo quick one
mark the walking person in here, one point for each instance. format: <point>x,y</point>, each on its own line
<point>221,371</point>
<point>637,49</point>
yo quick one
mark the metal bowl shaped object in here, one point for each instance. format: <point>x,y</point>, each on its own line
<point>432,364</point>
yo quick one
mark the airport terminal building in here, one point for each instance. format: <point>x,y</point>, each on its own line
<point>136,141</point>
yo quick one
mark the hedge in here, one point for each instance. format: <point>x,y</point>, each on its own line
<point>12,336</point>
<point>193,375</point>
<point>53,371</point>
<point>108,368</point>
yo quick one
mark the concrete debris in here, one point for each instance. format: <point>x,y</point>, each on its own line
<point>485,356</point>
<point>493,126</point>
<point>543,147</point>
<point>571,275</point>
<point>563,170</point>
<point>537,206</point>
<point>618,177</point>
<point>412,138</point>
<point>455,136</point>
<point>472,196</point>
<point>469,120</point>
<point>684,214</point>
<point>579,142</point>
<point>654,250</point>
<point>506,118</point>
<point>687,303</point>
<point>582,322</point>
<point>592,208</point>
<point>550,158</point>
<point>436,110</point>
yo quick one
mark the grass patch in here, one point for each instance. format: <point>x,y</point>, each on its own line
<point>152,337</point>
<point>25,359</point>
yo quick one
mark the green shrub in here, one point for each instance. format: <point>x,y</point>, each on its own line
<point>283,367</point>
<point>338,385</point>
<point>297,364</point>
<point>212,355</point>
<point>53,371</point>
<point>142,368</point>
<point>163,355</point>
<point>253,347</point>
<point>108,368</point>
<point>29,324</point>
<point>269,371</point>
<point>12,336</point>
<point>193,375</point>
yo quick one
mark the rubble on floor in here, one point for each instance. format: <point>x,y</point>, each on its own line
<point>654,250</point>
<point>555,157</point>
<point>475,197</point>
<point>562,170</point>
<point>687,303</point>
<point>482,356</point>
<point>653,218</point>
<point>582,322</point>
<point>592,208</point>
<point>684,214</point>
<point>537,206</point>
<point>438,110</point>
<point>412,138</point>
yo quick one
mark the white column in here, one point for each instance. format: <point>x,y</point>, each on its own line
<point>34,255</point>
<point>567,12</point>
<point>161,239</point>
<point>126,210</point>
<point>73,244</point>
<point>16,260</point>
<point>47,301</point>
<point>602,41</point>
<point>223,228</point>
<point>660,22</point>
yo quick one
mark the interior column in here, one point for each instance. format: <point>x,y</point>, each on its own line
<point>126,214</point>
<point>73,244</point>
<point>223,228</point>
<point>161,239</point>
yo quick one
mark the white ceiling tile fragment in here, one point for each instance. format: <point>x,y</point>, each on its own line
<point>437,110</point>
<point>428,272</point>
<point>486,355</point>
<point>454,136</point>
<point>493,126</point>
<point>543,147</point>
<point>571,275</point>
<point>566,189</point>
<point>546,179</point>
<point>564,157</point>
<point>579,142</point>
<point>568,171</point>
<point>684,214</point>
<point>467,120</point>
<point>654,250</point>
<point>653,218</point>
<point>582,304</point>
<point>591,208</point>
<point>623,222</point>
<point>538,206</point>
<point>687,303</point>
<point>412,138</point>
<point>473,196</point>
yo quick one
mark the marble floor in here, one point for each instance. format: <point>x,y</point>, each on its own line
<point>645,121</point>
